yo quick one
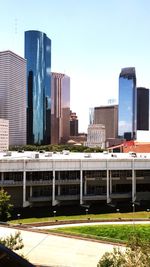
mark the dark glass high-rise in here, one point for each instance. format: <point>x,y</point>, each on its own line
<point>142,108</point>
<point>127,113</point>
<point>38,55</point>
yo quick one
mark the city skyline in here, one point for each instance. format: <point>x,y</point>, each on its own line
<point>91,42</point>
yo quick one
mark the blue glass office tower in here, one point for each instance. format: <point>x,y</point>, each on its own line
<point>38,55</point>
<point>127,104</point>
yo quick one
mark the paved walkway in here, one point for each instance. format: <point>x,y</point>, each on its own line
<point>59,251</point>
<point>90,223</point>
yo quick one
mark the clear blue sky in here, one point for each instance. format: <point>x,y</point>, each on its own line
<point>91,41</point>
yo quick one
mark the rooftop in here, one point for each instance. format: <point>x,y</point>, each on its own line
<point>15,155</point>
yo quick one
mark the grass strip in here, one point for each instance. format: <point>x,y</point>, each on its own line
<point>108,216</point>
<point>112,233</point>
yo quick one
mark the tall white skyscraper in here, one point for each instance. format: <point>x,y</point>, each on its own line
<point>13,95</point>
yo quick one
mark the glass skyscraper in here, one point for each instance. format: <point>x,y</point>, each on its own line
<point>127,115</point>
<point>142,108</point>
<point>38,55</point>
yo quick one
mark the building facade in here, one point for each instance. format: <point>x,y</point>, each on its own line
<point>4,135</point>
<point>142,108</point>
<point>63,178</point>
<point>108,116</point>
<point>13,95</point>
<point>127,114</point>
<point>96,136</point>
<point>73,124</point>
<point>60,108</point>
<point>38,55</point>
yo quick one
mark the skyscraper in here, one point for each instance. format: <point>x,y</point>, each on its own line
<point>108,116</point>
<point>60,109</point>
<point>73,124</point>
<point>13,95</point>
<point>142,108</point>
<point>127,104</point>
<point>38,55</point>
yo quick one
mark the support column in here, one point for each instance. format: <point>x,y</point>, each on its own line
<point>108,184</point>
<point>30,191</point>
<point>2,177</point>
<point>133,182</point>
<point>2,180</point>
<point>53,186</point>
<point>59,184</point>
<point>85,187</point>
<point>81,184</point>
<point>110,177</point>
<point>24,185</point>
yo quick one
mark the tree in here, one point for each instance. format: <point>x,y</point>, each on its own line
<point>14,242</point>
<point>137,253</point>
<point>5,206</point>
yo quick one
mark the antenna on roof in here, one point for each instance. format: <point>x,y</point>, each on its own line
<point>15,33</point>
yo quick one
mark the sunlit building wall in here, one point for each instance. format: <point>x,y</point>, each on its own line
<point>96,136</point>
<point>127,104</point>
<point>60,108</point>
<point>108,116</point>
<point>13,95</point>
<point>38,55</point>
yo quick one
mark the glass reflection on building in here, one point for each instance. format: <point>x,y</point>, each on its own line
<point>38,55</point>
<point>127,104</point>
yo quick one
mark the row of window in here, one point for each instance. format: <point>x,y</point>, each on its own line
<point>91,190</point>
<point>71,175</point>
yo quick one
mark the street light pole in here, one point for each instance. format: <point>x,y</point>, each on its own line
<point>54,212</point>
<point>118,210</point>
<point>148,213</point>
<point>86,211</point>
<point>133,212</point>
<point>18,217</point>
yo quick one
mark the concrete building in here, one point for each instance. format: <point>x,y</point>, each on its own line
<point>96,136</point>
<point>33,178</point>
<point>108,116</point>
<point>13,95</point>
<point>60,108</point>
<point>38,55</point>
<point>4,135</point>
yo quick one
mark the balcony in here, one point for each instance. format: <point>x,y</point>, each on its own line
<point>40,199</point>
<point>95,178</point>
<point>67,181</point>
<point>39,182</point>
<point>67,197</point>
<point>121,195</point>
<point>95,197</point>
<point>10,183</point>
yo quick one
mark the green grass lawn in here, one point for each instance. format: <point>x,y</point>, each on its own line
<point>115,233</point>
<point>108,216</point>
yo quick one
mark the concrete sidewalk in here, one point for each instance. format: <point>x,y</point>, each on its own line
<point>59,251</point>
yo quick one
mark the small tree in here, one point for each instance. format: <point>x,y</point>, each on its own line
<point>136,254</point>
<point>13,242</point>
<point>5,206</point>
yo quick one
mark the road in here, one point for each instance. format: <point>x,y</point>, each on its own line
<point>57,251</point>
